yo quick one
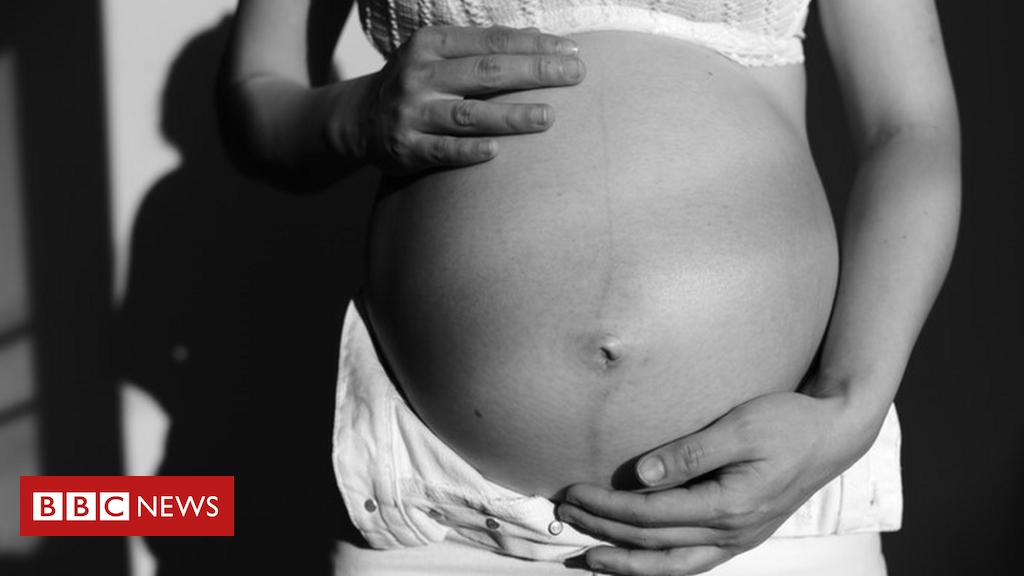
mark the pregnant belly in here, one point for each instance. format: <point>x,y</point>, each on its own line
<point>663,253</point>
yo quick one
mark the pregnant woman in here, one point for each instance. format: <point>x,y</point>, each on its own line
<point>600,231</point>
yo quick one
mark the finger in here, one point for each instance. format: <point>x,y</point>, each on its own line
<point>637,537</point>
<point>696,505</point>
<point>464,117</point>
<point>430,151</point>
<point>497,73</point>
<point>695,455</point>
<point>459,42</point>
<point>675,562</point>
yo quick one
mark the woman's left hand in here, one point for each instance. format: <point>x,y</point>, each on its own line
<point>720,491</point>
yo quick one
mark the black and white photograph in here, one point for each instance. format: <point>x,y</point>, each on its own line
<point>511,287</point>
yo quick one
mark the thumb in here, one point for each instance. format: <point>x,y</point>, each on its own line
<point>691,456</point>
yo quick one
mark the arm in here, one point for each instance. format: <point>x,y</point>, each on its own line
<point>904,209</point>
<point>285,122</point>
<point>770,454</point>
<point>274,114</point>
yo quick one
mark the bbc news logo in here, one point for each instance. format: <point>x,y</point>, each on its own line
<point>114,506</point>
<point>127,506</point>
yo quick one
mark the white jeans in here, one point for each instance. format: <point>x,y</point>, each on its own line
<point>847,555</point>
<point>405,488</point>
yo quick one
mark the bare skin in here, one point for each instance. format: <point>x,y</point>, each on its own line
<point>774,451</point>
<point>302,131</point>
<point>664,253</point>
<point>771,452</point>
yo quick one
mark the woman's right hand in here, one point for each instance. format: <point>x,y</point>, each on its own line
<point>420,111</point>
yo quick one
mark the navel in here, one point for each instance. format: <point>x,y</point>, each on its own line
<point>601,352</point>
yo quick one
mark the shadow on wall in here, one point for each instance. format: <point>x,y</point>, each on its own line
<point>234,304</point>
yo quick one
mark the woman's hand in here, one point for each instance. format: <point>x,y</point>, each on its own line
<point>720,491</point>
<point>418,115</point>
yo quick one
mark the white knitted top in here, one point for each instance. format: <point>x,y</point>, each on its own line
<point>750,32</point>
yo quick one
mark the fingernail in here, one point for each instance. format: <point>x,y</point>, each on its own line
<point>566,513</point>
<point>539,115</point>
<point>567,48</point>
<point>488,147</point>
<point>572,69</point>
<point>651,470</point>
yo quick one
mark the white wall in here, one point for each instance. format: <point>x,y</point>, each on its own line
<point>141,41</point>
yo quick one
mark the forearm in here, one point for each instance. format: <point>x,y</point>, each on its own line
<point>898,241</point>
<point>294,136</point>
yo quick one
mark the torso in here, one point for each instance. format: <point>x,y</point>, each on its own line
<point>663,253</point>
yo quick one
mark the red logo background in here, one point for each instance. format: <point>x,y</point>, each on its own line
<point>196,521</point>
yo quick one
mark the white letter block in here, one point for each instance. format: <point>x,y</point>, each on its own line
<point>80,505</point>
<point>47,505</point>
<point>115,506</point>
